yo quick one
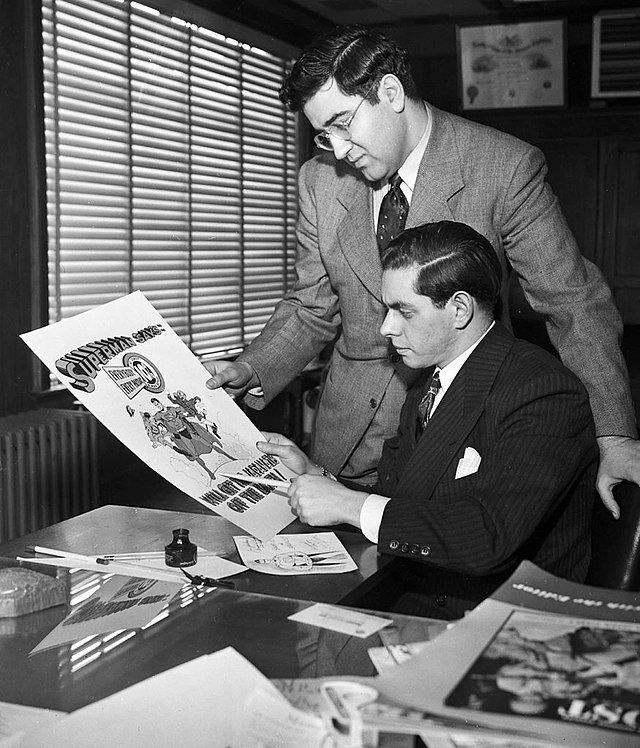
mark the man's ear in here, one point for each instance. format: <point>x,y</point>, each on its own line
<point>463,306</point>
<point>392,90</point>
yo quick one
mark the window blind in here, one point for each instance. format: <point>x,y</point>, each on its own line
<point>171,168</point>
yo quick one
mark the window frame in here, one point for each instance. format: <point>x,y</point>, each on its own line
<point>200,17</point>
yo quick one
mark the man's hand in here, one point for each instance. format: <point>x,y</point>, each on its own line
<point>619,460</point>
<point>293,457</point>
<point>235,376</point>
<point>321,501</point>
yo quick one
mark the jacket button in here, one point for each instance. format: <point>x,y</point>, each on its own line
<point>404,547</point>
<point>394,545</point>
<point>441,599</point>
<point>373,402</point>
<point>415,549</point>
<point>425,550</point>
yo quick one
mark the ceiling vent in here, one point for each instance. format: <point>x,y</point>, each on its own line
<point>615,70</point>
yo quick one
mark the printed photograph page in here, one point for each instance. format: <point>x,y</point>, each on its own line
<point>541,656</point>
<point>128,367</point>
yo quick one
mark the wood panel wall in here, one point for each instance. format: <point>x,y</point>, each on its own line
<point>22,234</point>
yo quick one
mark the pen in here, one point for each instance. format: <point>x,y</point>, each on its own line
<point>142,555</point>
<point>252,479</point>
<point>60,554</point>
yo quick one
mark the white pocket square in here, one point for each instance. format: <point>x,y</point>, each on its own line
<point>469,463</point>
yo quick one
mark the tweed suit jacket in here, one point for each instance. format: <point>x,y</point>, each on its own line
<point>470,173</point>
<point>528,418</point>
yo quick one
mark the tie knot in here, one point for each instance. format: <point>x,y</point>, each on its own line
<point>434,384</point>
<point>395,181</point>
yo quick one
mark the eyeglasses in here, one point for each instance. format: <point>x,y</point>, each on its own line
<point>340,130</point>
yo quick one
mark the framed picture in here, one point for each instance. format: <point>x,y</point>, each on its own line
<point>512,65</point>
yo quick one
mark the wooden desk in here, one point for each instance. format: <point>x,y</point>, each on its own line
<point>115,529</point>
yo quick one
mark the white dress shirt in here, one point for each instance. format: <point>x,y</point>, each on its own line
<point>408,172</point>
<point>373,507</point>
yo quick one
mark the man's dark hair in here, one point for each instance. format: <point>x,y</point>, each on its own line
<point>355,57</point>
<point>451,257</point>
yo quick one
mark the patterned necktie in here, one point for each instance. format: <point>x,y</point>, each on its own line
<point>393,213</point>
<point>426,404</point>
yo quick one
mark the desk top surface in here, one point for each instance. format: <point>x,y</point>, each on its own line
<point>71,675</point>
<point>119,529</point>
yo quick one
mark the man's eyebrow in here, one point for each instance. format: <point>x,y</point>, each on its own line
<point>397,305</point>
<point>334,117</point>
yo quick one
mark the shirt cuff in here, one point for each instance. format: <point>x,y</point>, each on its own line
<point>371,515</point>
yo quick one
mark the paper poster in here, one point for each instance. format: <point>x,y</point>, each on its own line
<point>116,605</point>
<point>130,369</point>
<point>311,553</point>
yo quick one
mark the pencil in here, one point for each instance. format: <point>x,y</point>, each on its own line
<point>259,481</point>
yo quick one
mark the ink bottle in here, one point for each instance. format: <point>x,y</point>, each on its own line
<point>180,551</point>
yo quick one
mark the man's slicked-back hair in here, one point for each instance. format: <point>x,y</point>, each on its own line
<point>356,57</point>
<point>450,257</point>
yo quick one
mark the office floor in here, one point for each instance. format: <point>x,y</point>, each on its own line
<point>138,485</point>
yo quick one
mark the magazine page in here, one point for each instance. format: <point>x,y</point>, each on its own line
<point>541,656</point>
<point>129,368</point>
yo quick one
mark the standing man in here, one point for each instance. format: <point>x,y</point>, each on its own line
<point>393,160</point>
<point>494,458</point>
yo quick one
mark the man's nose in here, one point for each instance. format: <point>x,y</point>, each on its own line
<point>386,328</point>
<point>340,147</point>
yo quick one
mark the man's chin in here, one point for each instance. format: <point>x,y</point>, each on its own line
<point>372,175</point>
<point>409,360</point>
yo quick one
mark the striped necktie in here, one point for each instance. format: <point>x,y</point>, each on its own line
<point>425,405</point>
<point>394,209</point>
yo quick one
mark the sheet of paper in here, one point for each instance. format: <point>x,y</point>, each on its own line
<point>272,722</point>
<point>213,566</point>
<point>16,719</point>
<point>114,606</point>
<point>308,553</point>
<point>201,703</point>
<point>123,361</point>
<point>343,620</point>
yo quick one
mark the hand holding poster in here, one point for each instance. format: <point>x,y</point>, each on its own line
<point>130,369</point>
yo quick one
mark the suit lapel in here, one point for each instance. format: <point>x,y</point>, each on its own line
<point>455,416</point>
<point>439,176</point>
<point>356,237</point>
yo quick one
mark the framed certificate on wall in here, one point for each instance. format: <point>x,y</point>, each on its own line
<point>512,65</point>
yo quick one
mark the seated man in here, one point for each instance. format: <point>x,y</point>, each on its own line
<point>495,456</point>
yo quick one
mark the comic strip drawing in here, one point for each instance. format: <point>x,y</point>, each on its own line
<point>303,561</point>
<point>177,427</point>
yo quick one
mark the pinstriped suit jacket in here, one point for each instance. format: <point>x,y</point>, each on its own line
<point>469,173</point>
<point>531,498</point>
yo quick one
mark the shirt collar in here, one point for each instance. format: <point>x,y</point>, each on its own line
<point>449,372</point>
<point>409,169</point>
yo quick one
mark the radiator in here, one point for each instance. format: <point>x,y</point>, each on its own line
<point>48,469</point>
